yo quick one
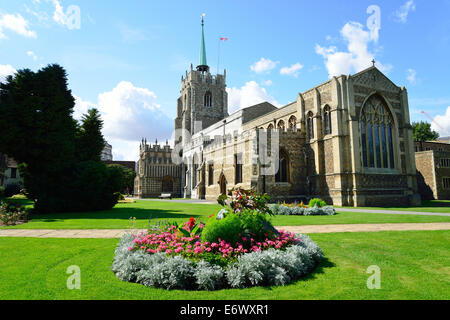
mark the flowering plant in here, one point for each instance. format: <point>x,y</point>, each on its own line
<point>220,252</point>
<point>11,214</point>
<point>242,199</point>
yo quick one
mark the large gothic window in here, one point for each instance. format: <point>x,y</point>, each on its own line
<point>310,125</point>
<point>377,129</point>
<point>292,122</point>
<point>207,99</point>
<point>327,119</point>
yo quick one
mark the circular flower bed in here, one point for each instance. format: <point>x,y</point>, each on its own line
<point>236,248</point>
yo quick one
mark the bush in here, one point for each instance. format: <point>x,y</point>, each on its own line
<point>11,214</point>
<point>12,189</point>
<point>97,186</point>
<point>232,228</point>
<point>227,229</point>
<point>280,209</point>
<point>316,202</point>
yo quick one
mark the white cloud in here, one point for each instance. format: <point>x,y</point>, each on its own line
<point>129,113</point>
<point>248,95</point>
<point>358,56</point>
<point>17,24</point>
<point>267,82</point>
<point>71,19</point>
<point>441,123</point>
<point>401,15</point>
<point>32,55</point>
<point>82,107</point>
<point>411,76</point>
<point>263,65</point>
<point>6,70</point>
<point>293,70</point>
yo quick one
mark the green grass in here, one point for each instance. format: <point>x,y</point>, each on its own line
<point>414,265</point>
<point>440,206</point>
<point>118,217</point>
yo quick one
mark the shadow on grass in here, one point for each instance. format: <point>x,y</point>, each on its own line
<point>116,213</point>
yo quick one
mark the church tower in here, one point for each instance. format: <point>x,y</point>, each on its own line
<point>203,99</point>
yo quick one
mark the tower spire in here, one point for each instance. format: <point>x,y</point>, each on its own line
<point>203,65</point>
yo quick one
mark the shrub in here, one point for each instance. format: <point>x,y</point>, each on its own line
<point>236,227</point>
<point>281,209</point>
<point>11,214</point>
<point>316,202</point>
<point>227,229</point>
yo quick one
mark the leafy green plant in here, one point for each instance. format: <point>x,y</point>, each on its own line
<point>317,202</point>
<point>227,229</point>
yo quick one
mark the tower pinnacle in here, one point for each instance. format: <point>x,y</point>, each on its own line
<point>203,65</point>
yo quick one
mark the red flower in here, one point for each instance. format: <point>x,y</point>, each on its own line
<point>191,223</point>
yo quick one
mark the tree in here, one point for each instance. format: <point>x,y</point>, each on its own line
<point>38,131</point>
<point>128,176</point>
<point>90,138</point>
<point>422,131</point>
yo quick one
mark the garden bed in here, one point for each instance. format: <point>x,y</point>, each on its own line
<point>236,248</point>
<point>271,266</point>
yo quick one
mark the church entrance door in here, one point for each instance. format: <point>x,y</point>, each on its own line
<point>223,185</point>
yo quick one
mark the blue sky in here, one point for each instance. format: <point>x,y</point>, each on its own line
<point>127,57</point>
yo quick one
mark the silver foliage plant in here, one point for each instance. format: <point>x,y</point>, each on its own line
<point>269,267</point>
<point>279,209</point>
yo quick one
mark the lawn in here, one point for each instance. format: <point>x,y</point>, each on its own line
<point>441,206</point>
<point>118,217</point>
<point>414,265</point>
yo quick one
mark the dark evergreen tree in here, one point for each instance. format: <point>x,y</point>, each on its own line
<point>90,138</point>
<point>38,131</point>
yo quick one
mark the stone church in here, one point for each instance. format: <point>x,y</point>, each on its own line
<point>348,141</point>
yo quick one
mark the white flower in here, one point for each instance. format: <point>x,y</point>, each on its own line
<point>221,214</point>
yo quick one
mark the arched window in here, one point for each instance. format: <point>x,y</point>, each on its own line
<point>270,126</point>
<point>310,125</point>
<point>377,129</point>
<point>327,120</point>
<point>207,100</point>
<point>282,174</point>
<point>185,102</point>
<point>292,122</point>
<point>280,125</point>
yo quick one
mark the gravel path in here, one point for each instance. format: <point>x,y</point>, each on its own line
<point>117,233</point>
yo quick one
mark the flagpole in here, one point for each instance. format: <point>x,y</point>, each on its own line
<point>218,56</point>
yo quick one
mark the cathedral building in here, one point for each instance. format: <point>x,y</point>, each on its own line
<point>348,141</point>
